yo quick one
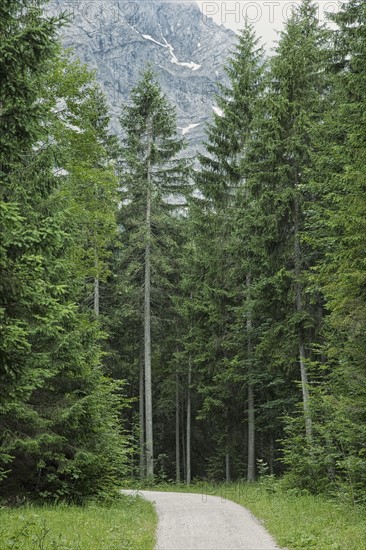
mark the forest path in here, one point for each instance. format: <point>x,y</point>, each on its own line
<point>200,522</point>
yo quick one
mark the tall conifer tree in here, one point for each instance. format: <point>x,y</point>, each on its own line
<point>151,172</point>
<point>280,158</point>
<point>337,221</point>
<point>221,180</point>
<point>52,389</point>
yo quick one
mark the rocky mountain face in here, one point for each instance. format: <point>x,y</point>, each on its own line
<point>119,37</point>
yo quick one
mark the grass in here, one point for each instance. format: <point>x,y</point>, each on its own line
<point>296,520</point>
<point>304,521</point>
<point>129,523</point>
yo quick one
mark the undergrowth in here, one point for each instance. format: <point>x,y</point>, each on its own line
<point>127,524</point>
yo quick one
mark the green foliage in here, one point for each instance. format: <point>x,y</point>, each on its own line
<point>151,146</point>
<point>335,233</point>
<point>259,273</point>
<point>214,274</point>
<point>87,167</point>
<point>60,425</point>
<point>27,46</point>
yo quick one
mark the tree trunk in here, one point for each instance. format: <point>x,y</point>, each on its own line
<point>271,456</point>
<point>142,423</point>
<point>251,434</point>
<point>299,309</point>
<point>147,320</point>
<point>251,410</point>
<point>227,466</point>
<point>227,451</point>
<point>183,442</point>
<point>177,429</point>
<point>96,288</point>
<point>189,414</point>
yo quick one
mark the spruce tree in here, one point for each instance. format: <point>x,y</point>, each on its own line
<point>27,47</point>
<point>279,161</point>
<point>337,232</point>
<point>221,179</point>
<point>87,158</point>
<point>60,436</point>
<point>150,172</point>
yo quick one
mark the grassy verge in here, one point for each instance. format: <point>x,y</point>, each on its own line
<point>304,521</point>
<point>295,520</point>
<point>127,524</point>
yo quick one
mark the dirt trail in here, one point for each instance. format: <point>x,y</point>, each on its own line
<point>199,522</point>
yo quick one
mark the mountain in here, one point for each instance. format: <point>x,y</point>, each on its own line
<point>118,38</point>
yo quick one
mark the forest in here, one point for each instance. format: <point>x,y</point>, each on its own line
<point>172,319</point>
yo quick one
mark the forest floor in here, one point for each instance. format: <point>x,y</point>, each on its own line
<point>127,524</point>
<point>295,519</point>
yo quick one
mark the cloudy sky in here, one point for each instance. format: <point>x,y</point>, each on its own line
<point>266,15</point>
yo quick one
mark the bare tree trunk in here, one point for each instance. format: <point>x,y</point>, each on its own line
<point>189,419</point>
<point>147,320</point>
<point>227,466</point>
<point>251,404</point>
<point>299,309</point>
<point>142,423</point>
<point>251,434</point>
<point>96,297</point>
<point>305,390</point>
<point>227,450</point>
<point>271,456</point>
<point>96,288</point>
<point>183,442</point>
<point>177,429</point>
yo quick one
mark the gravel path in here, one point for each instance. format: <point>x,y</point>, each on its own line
<point>198,522</point>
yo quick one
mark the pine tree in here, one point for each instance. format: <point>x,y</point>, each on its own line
<point>53,392</point>
<point>150,172</point>
<point>337,223</point>
<point>279,163</point>
<point>27,47</point>
<point>220,180</point>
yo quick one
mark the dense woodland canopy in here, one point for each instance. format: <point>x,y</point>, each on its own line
<point>173,318</point>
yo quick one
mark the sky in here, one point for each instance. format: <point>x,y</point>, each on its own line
<point>267,16</point>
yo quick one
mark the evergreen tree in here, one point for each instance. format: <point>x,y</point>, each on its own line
<point>27,47</point>
<point>60,435</point>
<point>279,161</point>
<point>220,286</point>
<point>150,173</point>
<point>337,232</point>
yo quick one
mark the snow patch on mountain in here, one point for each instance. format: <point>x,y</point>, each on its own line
<point>119,38</point>
<point>148,37</point>
<point>217,110</point>
<point>189,128</point>
<point>74,128</point>
<point>174,59</point>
